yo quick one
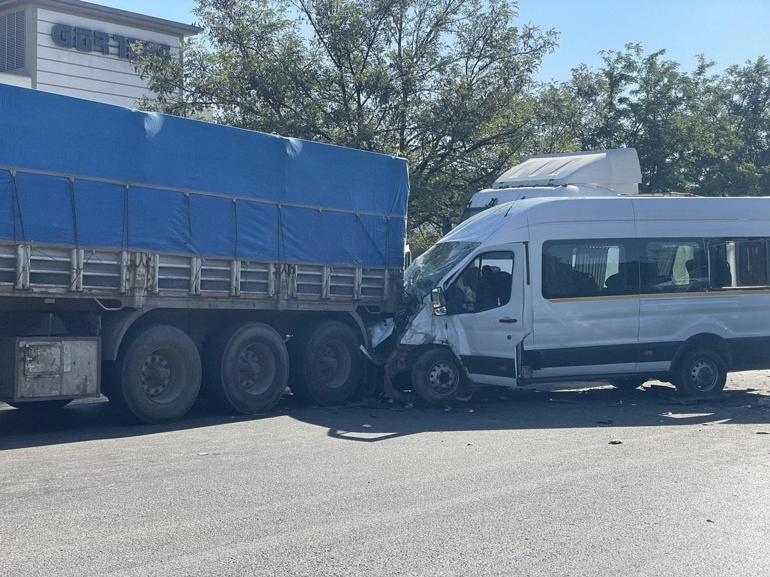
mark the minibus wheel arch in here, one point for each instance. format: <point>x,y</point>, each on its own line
<point>703,341</point>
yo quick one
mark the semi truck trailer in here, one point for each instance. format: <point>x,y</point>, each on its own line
<point>157,260</point>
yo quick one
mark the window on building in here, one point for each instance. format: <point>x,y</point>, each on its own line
<point>674,265</point>
<point>739,263</point>
<point>587,268</point>
<point>12,41</point>
<point>485,284</point>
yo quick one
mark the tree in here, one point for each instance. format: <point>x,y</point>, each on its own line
<point>635,99</point>
<point>744,96</point>
<point>443,83</point>
<point>694,131</point>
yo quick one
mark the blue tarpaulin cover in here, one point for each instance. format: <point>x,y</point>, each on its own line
<point>147,181</point>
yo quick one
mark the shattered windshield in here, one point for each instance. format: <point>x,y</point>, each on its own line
<point>429,268</point>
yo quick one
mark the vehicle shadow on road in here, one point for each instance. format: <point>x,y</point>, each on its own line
<point>374,421</point>
<point>652,406</point>
<point>93,420</point>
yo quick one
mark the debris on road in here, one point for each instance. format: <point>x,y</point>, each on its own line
<point>616,442</point>
<point>563,401</point>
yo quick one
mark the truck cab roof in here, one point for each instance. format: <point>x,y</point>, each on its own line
<point>616,169</point>
<point>594,173</point>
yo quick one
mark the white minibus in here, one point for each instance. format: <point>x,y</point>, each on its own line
<point>569,290</point>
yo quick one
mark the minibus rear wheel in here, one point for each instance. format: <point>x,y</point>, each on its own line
<point>701,372</point>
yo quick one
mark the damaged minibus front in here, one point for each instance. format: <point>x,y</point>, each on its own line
<point>466,318</point>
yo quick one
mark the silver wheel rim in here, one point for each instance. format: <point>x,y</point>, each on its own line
<point>443,379</point>
<point>703,375</point>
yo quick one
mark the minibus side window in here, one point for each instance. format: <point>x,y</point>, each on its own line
<point>722,264</point>
<point>752,262</point>
<point>674,265</point>
<point>738,263</point>
<point>589,268</point>
<point>485,284</point>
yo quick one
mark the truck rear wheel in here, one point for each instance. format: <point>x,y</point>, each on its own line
<point>158,374</point>
<point>327,365</point>
<point>247,368</point>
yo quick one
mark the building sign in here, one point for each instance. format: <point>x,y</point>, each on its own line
<point>86,40</point>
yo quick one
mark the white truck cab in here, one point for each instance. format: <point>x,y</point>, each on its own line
<point>617,289</point>
<point>595,173</point>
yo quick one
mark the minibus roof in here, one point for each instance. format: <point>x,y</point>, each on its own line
<point>581,209</point>
<point>493,196</point>
<point>535,211</point>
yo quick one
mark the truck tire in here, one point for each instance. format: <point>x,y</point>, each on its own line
<point>158,375</point>
<point>327,365</point>
<point>437,377</point>
<point>701,372</point>
<point>41,406</point>
<point>246,369</point>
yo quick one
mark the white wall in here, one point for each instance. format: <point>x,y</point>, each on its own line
<point>15,80</point>
<point>91,75</point>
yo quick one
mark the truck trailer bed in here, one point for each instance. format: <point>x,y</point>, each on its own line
<point>103,201</point>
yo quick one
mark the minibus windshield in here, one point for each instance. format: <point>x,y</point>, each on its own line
<point>429,268</point>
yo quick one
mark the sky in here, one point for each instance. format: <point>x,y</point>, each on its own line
<point>728,32</point>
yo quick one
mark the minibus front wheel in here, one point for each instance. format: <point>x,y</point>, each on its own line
<point>701,372</point>
<point>438,377</point>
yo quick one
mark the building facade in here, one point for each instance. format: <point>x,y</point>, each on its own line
<point>81,49</point>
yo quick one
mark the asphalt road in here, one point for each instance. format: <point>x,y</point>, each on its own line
<point>527,485</point>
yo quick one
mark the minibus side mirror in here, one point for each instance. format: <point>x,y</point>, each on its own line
<point>438,302</point>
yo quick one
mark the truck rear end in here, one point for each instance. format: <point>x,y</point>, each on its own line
<point>177,256</point>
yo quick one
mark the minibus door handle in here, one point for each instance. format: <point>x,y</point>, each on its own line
<point>508,320</point>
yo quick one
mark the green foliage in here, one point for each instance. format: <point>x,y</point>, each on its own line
<point>694,131</point>
<point>448,85</point>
